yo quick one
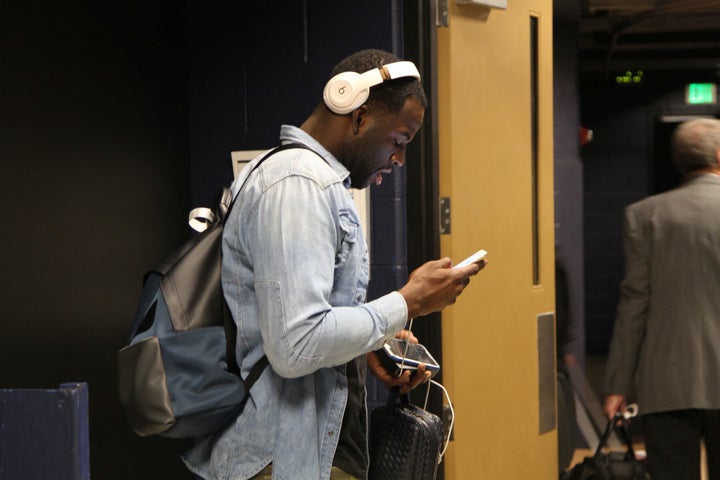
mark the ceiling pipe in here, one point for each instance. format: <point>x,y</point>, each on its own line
<point>677,7</point>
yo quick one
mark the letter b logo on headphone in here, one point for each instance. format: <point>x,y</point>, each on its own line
<point>346,91</point>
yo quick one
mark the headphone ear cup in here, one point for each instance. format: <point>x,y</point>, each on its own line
<point>344,93</point>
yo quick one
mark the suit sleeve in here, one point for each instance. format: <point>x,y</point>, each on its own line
<point>632,312</point>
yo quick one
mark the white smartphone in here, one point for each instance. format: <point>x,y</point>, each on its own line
<point>474,258</point>
<point>398,355</point>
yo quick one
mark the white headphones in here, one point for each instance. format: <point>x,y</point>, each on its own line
<point>346,91</point>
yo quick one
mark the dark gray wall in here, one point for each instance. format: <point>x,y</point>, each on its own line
<point>95,186</point>
<point>568,183</point>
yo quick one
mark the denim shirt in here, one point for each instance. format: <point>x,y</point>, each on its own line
<point>295,272</point>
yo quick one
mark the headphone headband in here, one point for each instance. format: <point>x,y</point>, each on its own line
<point>346,91</point>
<point>399,70</point>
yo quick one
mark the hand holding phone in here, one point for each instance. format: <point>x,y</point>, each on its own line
<point>474,258</point>
<point>398,355</point>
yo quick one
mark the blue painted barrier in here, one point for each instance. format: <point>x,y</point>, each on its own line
<point>44,434</point>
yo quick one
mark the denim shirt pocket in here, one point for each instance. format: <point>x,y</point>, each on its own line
<point>349,230</point>
<point>351,261</point>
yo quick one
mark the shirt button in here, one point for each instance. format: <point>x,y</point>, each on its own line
<point>331,433</point>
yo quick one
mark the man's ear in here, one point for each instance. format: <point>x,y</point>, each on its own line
<point>359,117</point>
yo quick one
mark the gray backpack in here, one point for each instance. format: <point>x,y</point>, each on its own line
<point>178,376</point>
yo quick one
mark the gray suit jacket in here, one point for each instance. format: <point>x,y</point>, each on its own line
<point>666,341</point>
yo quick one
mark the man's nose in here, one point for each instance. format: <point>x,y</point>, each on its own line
<point>398,158</point>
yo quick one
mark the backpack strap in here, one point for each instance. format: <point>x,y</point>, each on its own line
<point>255,372</point>
<point>280,148</point>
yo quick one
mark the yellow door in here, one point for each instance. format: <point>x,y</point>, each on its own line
<point>495,160</point>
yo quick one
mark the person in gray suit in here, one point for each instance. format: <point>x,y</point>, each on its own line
<point>666,342</point>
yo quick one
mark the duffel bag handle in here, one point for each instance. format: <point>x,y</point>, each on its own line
<point>619,423</point>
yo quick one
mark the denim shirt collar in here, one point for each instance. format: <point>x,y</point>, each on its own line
<point>289,134</point>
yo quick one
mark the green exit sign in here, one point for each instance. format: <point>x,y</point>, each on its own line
<point>700,94</point>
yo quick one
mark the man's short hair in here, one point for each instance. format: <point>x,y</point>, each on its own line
<point>390,95</point>
<point>695,145</point>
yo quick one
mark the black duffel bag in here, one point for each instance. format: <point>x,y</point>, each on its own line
<point>614,465</point>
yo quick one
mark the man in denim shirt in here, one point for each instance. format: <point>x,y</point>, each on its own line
<point>295,273</point>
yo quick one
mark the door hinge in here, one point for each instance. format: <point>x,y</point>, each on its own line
<point>441,13</point>
<point>444,215</point>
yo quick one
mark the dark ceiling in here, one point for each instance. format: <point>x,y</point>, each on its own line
<point>618,35</point>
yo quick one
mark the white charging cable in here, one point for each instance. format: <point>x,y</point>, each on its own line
<point>452,414</point>
<point>407,346</point>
